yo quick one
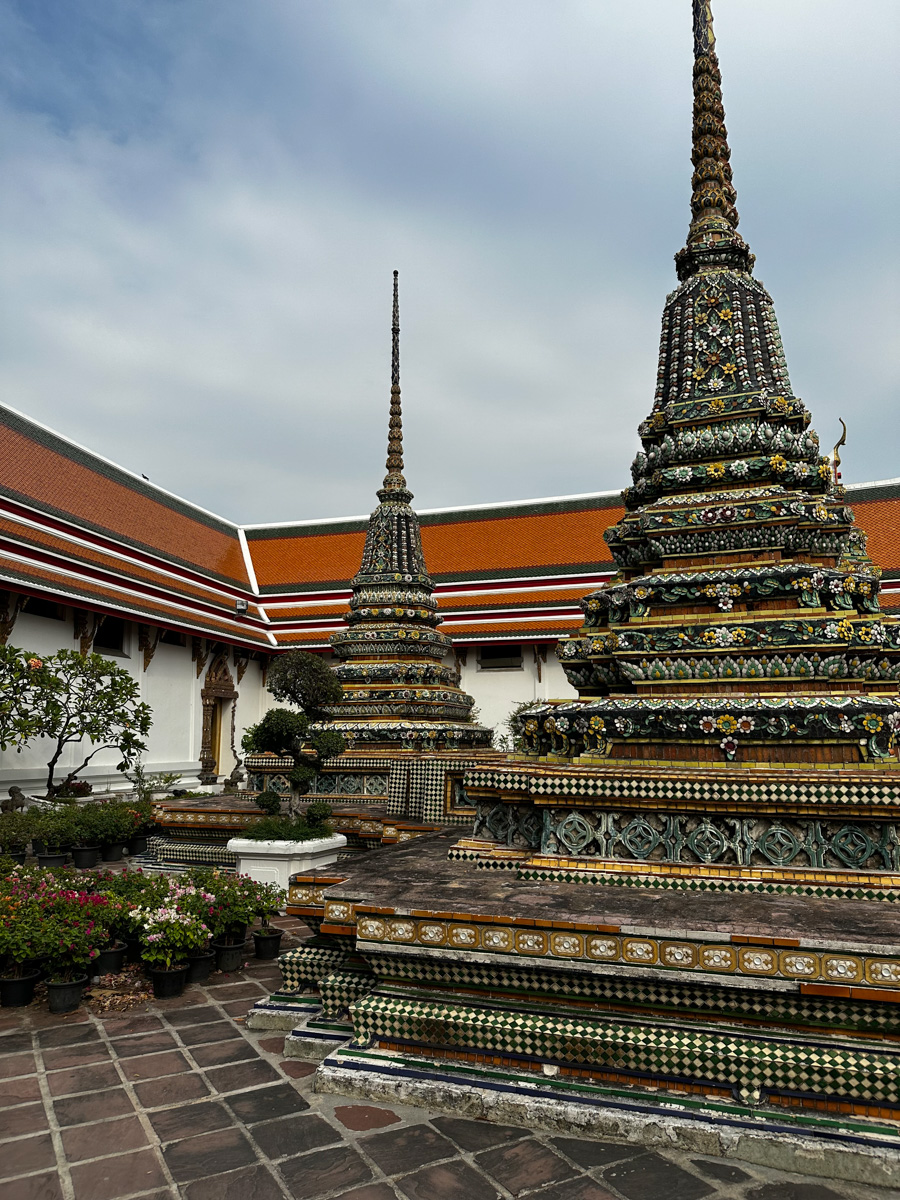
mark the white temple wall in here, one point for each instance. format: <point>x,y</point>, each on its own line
<point>498,690</point>
<point>169,685</point>
<point>172,689</point>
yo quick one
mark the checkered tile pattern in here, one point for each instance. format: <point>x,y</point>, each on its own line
<point>339,989</point>
<point>752,787</point>
<point>171,851</point>
<point>662,997</point>
<point>308,964</point>
<point>747,1061</point>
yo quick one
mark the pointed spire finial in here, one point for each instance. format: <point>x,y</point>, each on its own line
<point>394,481</point>
<point>713,239</point>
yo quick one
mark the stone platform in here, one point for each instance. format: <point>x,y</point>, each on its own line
<point>195,830</point>
<point>739,1021</point>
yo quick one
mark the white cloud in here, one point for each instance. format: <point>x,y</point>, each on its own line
<point>201,205</point>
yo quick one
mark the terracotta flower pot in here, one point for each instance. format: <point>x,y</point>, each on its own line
<point>17,992</point>
<point>268,942</point>
<point>167,981</point>
<point>65,996</point>
<point>84,857</point>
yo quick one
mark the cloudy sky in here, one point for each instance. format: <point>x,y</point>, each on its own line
<point>202,201</point>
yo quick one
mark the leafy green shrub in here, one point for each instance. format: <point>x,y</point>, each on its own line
<point>269,802</point>
<point>270,899</point>
<point>16,830</point>
<point>108,822</point>
<point>287,829</point>
<point>57,827</point>
<point>306,680</point>
<point>317,814</point>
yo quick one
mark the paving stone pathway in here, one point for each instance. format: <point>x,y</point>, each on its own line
<point>180,1102</point>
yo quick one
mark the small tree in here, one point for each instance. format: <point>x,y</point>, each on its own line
<point>23,676</point>
<point>87,697</point>
<point>288,735</point>
<point>306,681</point>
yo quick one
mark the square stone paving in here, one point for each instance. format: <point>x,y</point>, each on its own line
<point>179,1101</point>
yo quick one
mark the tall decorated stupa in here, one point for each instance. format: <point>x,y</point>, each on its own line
<point>676,917</point>
<point>737,679</point>
<point>398,691</point>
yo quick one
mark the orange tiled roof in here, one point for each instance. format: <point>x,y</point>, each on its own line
<point>58,477</point>
<point>77,526</point>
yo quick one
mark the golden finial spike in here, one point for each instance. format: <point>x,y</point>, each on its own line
<point>704,37</point>
<point>712,239</point>
<point>394,480</point>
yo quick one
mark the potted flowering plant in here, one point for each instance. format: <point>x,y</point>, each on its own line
<point>168,936</point>
<point>144,821</point>
<point>16,829</point>
<point>205,907</point>
<point>116,824</point>
<point>132,890</point>
<point>57,830</point>
<point>24,941</point>
<point>72,938</point>
<point>270,899</point>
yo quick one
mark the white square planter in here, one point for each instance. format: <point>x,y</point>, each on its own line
<point>276,862</point>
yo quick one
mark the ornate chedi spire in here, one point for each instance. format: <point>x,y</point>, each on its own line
<point>713,237</point>
<point>744,623</point>
<point>397,689</point>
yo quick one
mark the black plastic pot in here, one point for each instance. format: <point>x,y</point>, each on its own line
<point>17,855</point>
<point>199,967</point>
<point>85,856</point>
<point>229,956</point>
<point>52,860</point>
<point>37,846</point>
<point>167,982</point>
<point>133,949</point>
<point>137,845</point>
<point>16,993</point>
<point>65,996</point>
<point>111,960</point>
<point>268,942</point>
<point>113,852</point>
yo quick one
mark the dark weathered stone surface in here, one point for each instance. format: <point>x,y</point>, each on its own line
<point>418,875</point>
<point>402,1150</point>
<point>653,1175</point>
<point>476,1135</point>
<point>281,1138</point>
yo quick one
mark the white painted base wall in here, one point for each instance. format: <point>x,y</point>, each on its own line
<point>171,687</point>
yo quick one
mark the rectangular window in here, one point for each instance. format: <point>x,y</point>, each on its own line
<point>172,637</point>
<point>110,637</point>
<point>39,607</point>
<point>500,657</point>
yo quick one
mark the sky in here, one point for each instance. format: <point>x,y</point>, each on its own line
<point>202,202</point>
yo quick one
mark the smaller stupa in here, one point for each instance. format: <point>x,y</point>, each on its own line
<point>398,691</point>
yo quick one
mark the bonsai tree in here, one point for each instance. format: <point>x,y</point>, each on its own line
<point>85,697</point>
<point>288,735</point>
<point>306,681</point>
